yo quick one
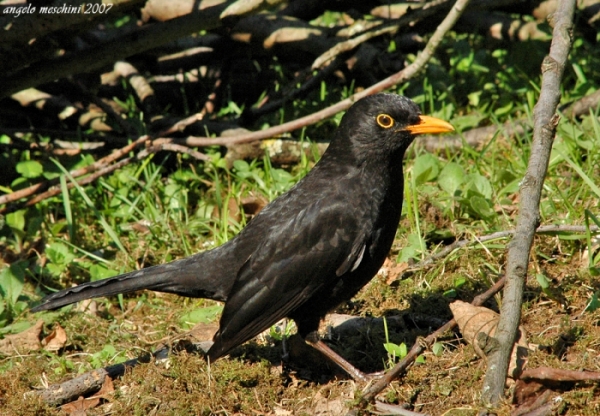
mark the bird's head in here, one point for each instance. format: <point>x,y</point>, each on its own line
<point>384,124</point>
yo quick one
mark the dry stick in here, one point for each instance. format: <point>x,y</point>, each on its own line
<point>139,40</point>
<point>125,125</point>
<point>546,229</point>
<point>427,11</point>
<point>330,111</point>
<point>583,105</point>
<point>111,168</point>
<point>558,374</point>
<point>419,347</point>
<point>545,121</point>
<point>22,193</point>
<point>306,87</point>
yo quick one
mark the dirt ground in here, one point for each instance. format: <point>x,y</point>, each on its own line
<point>259,378</point>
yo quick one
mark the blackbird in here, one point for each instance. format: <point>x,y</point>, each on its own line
<point>310,249</point>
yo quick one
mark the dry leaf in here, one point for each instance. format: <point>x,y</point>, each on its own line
<point>233,212</point>
<point>324,405</point>
<point>279,411</point>
<point>391,270</point>
<point>203,331</point>
<point>56,340</point>
<point>79,406</point>
<point>473,320</point>
<point>28,340</point>
<point>107,389</point>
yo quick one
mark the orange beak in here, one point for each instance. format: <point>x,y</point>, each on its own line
<point>430,125</point>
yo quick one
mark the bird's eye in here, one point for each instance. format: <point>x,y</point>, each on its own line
<point>385,121</point>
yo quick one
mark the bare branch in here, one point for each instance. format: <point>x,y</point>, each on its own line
<point>419,347</point>
<point>545,121</point>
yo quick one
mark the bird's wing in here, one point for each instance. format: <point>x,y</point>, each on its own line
<point>310,250</point>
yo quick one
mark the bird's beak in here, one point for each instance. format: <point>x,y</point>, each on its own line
<point>430,125</point>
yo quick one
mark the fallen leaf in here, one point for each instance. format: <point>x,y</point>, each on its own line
<point>23,342</point>
<point>475,320</point>
<point>108,387</point>
<point>391,270</point>
<point>56,340</point>
<point>80,406</point>
<point>203,331</point>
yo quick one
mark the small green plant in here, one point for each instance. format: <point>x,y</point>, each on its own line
<point>280,332</point>
<point>458,283</point>
<point>108,355</point>
<point>394,351</point>
<point>12,279</point>
<point>60,363</point>
<point>205,315</point>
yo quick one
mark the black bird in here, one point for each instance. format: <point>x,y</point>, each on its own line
<point>310,249</point>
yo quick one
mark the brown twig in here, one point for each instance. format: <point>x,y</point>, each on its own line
<point>55,190</point>
<point>140,85</point>
<point>401,76</point>
<point>583,105</point>
<point>99,164</point>
<point>419,347</point>
<point>430,9</point>
<point>137,41</point>
<point>545,122</point>
<point>545,229</point>
<point>557,374</point>
<point>309,85</point>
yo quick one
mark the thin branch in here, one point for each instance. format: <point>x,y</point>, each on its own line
<point>545,229</point>
<point>545,122</point>
<point>99,164</point>
<point>395,79</point>
<point>419,347</point>
<point>427,11</point>
<point>154,148</point>
<point>140,40</point>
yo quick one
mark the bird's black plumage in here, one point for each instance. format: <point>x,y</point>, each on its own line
<point>311,248</point>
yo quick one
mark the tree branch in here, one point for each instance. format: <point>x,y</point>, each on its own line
<point>395,79</point>
<point>545,121</point>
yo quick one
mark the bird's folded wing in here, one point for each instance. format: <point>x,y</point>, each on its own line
<point>292,263</point>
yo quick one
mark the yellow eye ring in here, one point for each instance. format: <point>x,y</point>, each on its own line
<point>385,121</point>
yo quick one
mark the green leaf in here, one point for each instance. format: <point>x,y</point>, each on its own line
<point>451,177</point>
<point>398,351</point>
<point>30,168</point>
<point>426,168</point>
<point>482,208</point>
<point>543,281</point>
<point>12,279</point>
<point>99,272</point>
<point>59,254</point>
<point>479,184</point>
<point>241,166</point>
<point>204,315</point>
<point>460,281</point>
<point>437,349</point>
<point>450,293</point>
<point>593,304</point>
<point>16,220</point>
<point>16,327</point>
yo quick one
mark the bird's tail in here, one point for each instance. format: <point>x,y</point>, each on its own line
<point>184,277</point>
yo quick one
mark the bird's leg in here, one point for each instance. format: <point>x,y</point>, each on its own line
<point>314,341</point>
